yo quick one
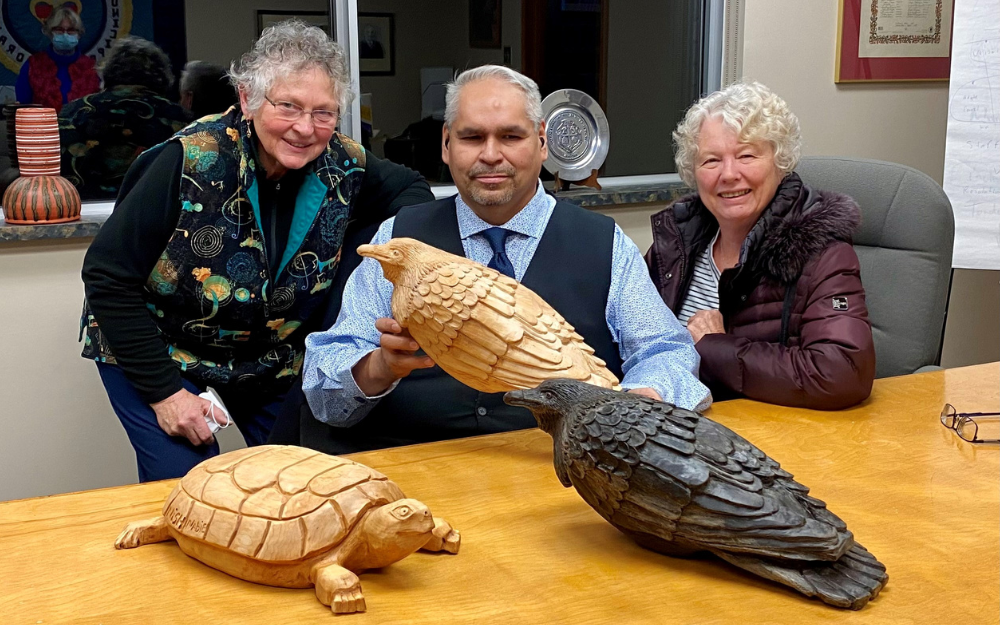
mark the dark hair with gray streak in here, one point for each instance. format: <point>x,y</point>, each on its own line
<point>135,61</point>
<point>287,48</point>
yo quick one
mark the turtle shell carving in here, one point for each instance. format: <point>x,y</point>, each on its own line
<point>293,517</point>
<point>303,503</point>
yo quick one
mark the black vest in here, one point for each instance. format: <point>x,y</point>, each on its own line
<point>571,270</point>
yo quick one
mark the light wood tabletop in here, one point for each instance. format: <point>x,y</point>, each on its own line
<point>924,502</point>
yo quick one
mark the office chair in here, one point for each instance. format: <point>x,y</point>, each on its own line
<point>905,247</point>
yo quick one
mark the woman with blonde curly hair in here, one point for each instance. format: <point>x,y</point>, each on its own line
<point>757,264</point>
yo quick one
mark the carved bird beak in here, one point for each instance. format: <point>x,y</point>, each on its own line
<point>528,398</point>
<point>378,252</point>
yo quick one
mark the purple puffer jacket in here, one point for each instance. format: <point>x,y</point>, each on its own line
<point>797,329</point>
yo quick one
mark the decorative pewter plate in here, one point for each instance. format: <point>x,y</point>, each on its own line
<point>577,133</point>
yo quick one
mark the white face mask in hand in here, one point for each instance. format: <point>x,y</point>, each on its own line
<point>210,418</point>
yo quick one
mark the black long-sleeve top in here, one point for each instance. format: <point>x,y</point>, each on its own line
<point>131,241</point>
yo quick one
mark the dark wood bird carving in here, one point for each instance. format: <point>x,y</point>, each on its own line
<point>679,483</point>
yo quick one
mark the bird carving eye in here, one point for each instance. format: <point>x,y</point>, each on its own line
<point>549,395</point>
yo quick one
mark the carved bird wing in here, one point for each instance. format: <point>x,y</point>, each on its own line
<point>675,474</point>
<point>489,332</point>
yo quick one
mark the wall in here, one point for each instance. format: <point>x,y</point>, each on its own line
<point>59,432</point>
<point>790,46</point>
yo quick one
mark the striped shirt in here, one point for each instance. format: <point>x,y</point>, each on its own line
<point>703,294</point>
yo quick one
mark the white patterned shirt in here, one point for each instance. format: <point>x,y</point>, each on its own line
<point>656,350</point>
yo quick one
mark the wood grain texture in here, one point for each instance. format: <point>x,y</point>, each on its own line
<point>484,329</point>
<point>292,517</point>
<point>926,502</point>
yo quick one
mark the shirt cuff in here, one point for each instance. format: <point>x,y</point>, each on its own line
<point>354,405</point>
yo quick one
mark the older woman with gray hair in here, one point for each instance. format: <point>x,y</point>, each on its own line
<point>759,265</point>
<point>60,73</point>
<point>226,247</point>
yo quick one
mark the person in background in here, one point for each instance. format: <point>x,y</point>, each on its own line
<point>60,73</point>
<point>364,377</point>
<point>223,251</point>
<point>103,133</point>
<point>205,89</point>
<point>759,265</point>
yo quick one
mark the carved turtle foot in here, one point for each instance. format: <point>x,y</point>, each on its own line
<point>443,538</point>
<point>141,533</point>
<point>340,589</point>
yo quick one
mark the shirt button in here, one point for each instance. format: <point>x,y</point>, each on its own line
<point>743,298</point>
<point>481,411</point>
<point>668,275</point>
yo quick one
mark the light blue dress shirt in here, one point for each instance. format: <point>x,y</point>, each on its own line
<point>656,350</point>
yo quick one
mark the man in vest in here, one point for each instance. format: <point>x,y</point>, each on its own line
<point>364,376</point>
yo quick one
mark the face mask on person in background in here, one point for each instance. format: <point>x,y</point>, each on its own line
<point>65,42</point>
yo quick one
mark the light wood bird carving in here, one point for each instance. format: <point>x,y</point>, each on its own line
<point>483,328</point>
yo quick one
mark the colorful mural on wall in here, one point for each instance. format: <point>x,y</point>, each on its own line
<point>104,21</point>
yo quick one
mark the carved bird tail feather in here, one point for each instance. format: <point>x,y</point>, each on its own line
<point>850,582</point>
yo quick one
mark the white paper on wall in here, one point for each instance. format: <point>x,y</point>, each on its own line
<point>972,151</point>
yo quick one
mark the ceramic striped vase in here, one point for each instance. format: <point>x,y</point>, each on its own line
<point>40,195</point>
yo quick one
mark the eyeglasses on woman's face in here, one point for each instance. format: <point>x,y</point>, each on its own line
<point>968,428</point>
<point>291,112</point>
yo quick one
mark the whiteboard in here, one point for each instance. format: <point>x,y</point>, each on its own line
<point>972,150</point>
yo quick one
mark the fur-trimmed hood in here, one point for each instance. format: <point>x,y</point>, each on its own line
<point>799,223</point>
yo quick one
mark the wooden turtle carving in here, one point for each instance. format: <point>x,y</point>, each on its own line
<point>292,517</point>
<point>679,483</point>
<point>483,328</point>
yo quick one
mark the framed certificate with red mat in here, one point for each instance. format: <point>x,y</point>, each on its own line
<point>893,40</point>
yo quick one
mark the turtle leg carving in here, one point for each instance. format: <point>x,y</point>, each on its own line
<point>141,533</point>
<point>339,588</point>
<point>443,537</point>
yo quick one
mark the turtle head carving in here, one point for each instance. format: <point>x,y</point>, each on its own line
<point>396,530</point>
<point>401,259</point>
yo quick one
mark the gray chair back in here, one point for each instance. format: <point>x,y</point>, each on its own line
<point>905,246</point>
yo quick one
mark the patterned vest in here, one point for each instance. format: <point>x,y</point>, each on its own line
<point>224,317</point>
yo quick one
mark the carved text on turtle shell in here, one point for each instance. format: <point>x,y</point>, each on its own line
<point>183,524</point>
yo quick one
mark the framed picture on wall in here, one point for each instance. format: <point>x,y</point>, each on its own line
<point>376,44</point>
<point>313,18</point>
<point>893,40</point>
<point>484,23</point>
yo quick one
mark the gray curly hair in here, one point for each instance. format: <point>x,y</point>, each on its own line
<point>532,97</point>
<point>750,109</point>
<point>287,48</point>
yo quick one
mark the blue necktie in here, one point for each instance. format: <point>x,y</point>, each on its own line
<point>497,238</point>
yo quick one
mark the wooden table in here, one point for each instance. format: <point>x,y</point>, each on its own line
<point>923,501</point>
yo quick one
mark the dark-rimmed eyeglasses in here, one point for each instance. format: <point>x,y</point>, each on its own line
<point>292,112</point>
<point>965,425</point>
